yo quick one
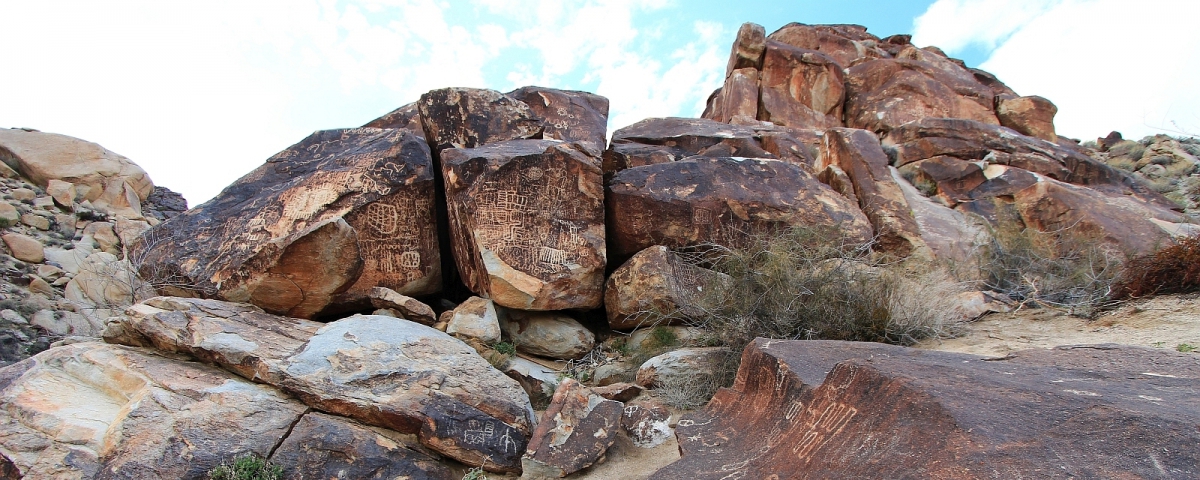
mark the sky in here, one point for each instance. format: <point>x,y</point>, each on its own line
<point>200,93</point>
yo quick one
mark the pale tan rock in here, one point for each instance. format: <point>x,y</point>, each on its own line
<point>24,248</point>
<point>62,192</point>
<point>9,215</point>
<point>407,307</point>
<point>49,273</point>
<point>36,221</point>
<point>1033,116</point>
<point>37,285</point>
<point>475,318</point>
<point>105,236</point>
<point>93,410</point>
<point>656,287</point>
<point>548,334</point>
<point>23,194</point>
<point>105,281</point>
<point>382,371</point>
<point>679,365</point>
<point>950,234</point>
<point>116,184</point>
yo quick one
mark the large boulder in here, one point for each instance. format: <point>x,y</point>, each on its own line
<point>382,371</point>
<point>826,409</point>
<point>568,115</point>
<point>885,93</point>
<point>656,287</point>
<point>575,431</point>
<point>93,410</point>
<point>846,44</point>
<point>324,446</point>
<point>801,88</point>
<point>406,117</point>
<point>748,48</point>
<point>996,145</point>
<point>527,223</point>
<point>663,140</point>
<point>471,117</point>
<point>341,211</point>
<point>721,200</point>
<point>739,96</point>
<point>548,334</point>
<point>109,181</point>
<point>858,153</point>
<point>1033,116</point>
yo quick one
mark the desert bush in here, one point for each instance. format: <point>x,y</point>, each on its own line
<point>1063,269</point>
<point>687,392</point>
<point>1128,149</point>
<point>1173,269</point>
<point>247,467</point>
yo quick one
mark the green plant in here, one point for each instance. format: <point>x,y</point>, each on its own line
<point>1065,269</point>
<point>1185,348</point>
<point>1159,344</point>
<point>247,467</point>
<point>475,474</point>
<point>505,348</point>
<point>663,337</point>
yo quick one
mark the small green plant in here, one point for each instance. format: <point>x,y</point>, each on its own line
<point>1185,347</point>
<point>247,467</point>
<point>663,337</point>
<point>475,474</point>
<point>1158,344</point>
<point>505,348</point>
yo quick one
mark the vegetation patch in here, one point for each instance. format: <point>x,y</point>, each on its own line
<point>1174,269</point>
<point>247,467</point>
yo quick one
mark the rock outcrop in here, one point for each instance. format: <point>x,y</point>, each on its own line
<point>656,287</point>
<point>341,211</point>
<point>382,371</point>
<point>574,432</point>
<point>822,409</point>
<point>527,223</point>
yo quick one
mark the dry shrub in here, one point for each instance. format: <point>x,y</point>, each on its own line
<point>1174,269</point>
<point>1064,269</point>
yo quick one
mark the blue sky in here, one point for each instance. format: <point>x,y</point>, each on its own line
<point>199,93</point>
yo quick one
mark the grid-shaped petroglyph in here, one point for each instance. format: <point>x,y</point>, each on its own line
<point>393,234</point>
<point>529,218</point>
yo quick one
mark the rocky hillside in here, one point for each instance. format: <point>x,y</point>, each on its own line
<point>485,281</point>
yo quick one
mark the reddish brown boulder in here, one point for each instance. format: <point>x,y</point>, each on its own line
<point>844,43</point>
<point>858,153</point>
<point>470,117</point>
<point>660,140</point>
<point>343,210</point>
<point>950,234</point>
<point>406,307</point>
<point>993,144</point>
<point>739,96</point>
<point>527,223</point>
<point>748,48</point>
<point>655,287</point>
<point>1033,116</point>
<point>883,94</point>
<point>949,178</point>
<point>568,115</point>
<point>801,88</point>
<point>824,409</point>
<point>406,117</point>
<point>647,424</point>
<point>721,200</point>
<point>575,431</point>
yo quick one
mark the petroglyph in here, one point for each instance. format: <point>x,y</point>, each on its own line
<point>823,426</point>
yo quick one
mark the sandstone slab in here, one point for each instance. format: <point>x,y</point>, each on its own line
<point>409,308</point>
<point>547,334</point>
<point>721,200</point>
<point>801,88</point>
<point>824,409</point>
<point>575,431</point>
<point>568,115</point>
<point>527,223</point>
<point>472,117</point>
<point>323,446</point>
<point>382,371</point>
<point>341,211</point>
<point>655,287</point>
<point>885,93</point>
<point>114,183</point>
<point>661,140</point>
<point>92,410</point>
<point>25,248</point>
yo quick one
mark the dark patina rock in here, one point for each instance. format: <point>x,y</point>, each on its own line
<point>825,409</point>
<point>324,446</point>
<point>406,117</point>
<point>341,211</point>
<point>721,200</point>
<point>568,115</point>
<point>846,44</point>
<point>801,88</point>
<point>885,93</point>
<point>527,223</point>
<point>660,140</point>
<point>575,431</point>
<point>470,117</point>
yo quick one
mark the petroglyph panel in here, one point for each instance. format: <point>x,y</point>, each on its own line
<point>379,180</point>
<point>528,209</point>
<point>567,115</point>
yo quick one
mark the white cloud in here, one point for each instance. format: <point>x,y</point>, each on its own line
<point>952,25</point>
<point>1107,64</point>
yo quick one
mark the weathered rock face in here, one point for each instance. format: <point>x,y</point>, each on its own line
<point>324,446</point>
<point>575,431</point>
<point>1033,116</point>
<point>675,366</point>
<point>950,179</point>
<point>109,181</point>
<point>547,334</point>
<point>475,318</point>
<point>343,210</point>
<point>662,140</point>
<point>885,93</point>
<point>471,117</point>
<point>655,287</point>
<point>568,115</point>
<point>407,307</point>
<point>844,43</point>
<point>889,412</point>
<point>647,424</point>
<point>721,200</point>
<point>382,371</point>
<point>527,223</point>
<point>801,88</point>
<point>974,141</point>
<point>406,117</point>
<point>857,152</point>
<point>92,410</point>
<point>748,48</point>
<point>949,233</point>
<point>738,97</point>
